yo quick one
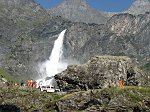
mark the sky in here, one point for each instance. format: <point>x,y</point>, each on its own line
<point>103,5</point>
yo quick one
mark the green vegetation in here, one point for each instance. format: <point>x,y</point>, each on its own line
<point>134,94</point>
<point>32,99</point>
<point>6,75</point>
<point>28,98</point>
<point>146,67</point>
<point>146,70</point>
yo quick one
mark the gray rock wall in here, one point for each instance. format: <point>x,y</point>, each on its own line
<point>99,72</point>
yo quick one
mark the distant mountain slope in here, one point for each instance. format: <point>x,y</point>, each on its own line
<point>25,36</point>
<point>139,7</point>
<point>123,34</point>
<point>78,11</point>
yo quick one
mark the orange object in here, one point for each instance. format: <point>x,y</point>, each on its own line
<point>28,82</point>
<point>31,82</point>
<point>120,83</point>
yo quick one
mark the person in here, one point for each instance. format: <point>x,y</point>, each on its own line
<point>29,83</point>
<point>22,83</point>
<point>120,83</point>
<point>34,84</point>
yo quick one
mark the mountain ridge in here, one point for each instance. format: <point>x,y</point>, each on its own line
<point>27,35</point>
<point>139,7</point>
<point>78,11</point>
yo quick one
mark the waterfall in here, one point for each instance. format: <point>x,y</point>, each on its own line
<point>54,63</point>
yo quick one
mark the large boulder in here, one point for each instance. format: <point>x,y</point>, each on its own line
<point>99,72</point>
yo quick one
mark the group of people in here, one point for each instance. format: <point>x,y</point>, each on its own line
<point>32,83</point>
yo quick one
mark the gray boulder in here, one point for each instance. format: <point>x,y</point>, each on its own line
<point>99,72</point>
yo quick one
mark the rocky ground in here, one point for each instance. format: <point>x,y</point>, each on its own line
<point>91,87</point>
<point>115,99</point>
<point>126,99</point>
<point>26,99</point>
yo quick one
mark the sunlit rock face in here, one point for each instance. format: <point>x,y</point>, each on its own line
<point>123,34</point>
<point>28,32</point>
<point>99,72</point>
<point>78,11</point>
<point>139,7</point>
<point>27,35</point>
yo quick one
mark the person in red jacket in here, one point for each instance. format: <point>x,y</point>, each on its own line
<point>120,83</point>
<point>29,83</point>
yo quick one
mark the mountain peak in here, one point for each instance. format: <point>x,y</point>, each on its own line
<point>139,7</point>
<point>78,11</point>
<point>75,3</point>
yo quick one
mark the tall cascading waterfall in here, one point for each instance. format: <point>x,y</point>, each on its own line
<point>55,65</point>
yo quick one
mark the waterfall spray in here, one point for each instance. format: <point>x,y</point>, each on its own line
<point>52,65</point>
<point>55,65</point>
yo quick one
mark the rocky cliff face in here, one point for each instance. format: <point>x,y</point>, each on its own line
<point>124,34</point>
<point>139,7</point>
<point>78,11</point>
<point>27,34</point>
<point>99,72</point>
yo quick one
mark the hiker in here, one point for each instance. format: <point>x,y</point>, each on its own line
<point>22,83</point>
<point>34,84</point>
<point>31,83</point>
<point>121,82</point>
<point>28,82</point>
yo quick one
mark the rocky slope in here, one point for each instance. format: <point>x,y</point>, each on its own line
<point>139,7</point>
<point>14,98</point>
<point>128,99</point>
<point>123,34</point>
<point>78,11</point>
<point>27,34</point>
<point>134,99</point>
<point>24,99</point>
<point>99,72</point>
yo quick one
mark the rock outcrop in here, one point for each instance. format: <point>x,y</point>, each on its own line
<point>99,72</point>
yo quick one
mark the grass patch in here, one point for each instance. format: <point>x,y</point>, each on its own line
<point>6,75</point>
<point>146,67</point>
<point>56,97</point>
<point>135,98</point>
